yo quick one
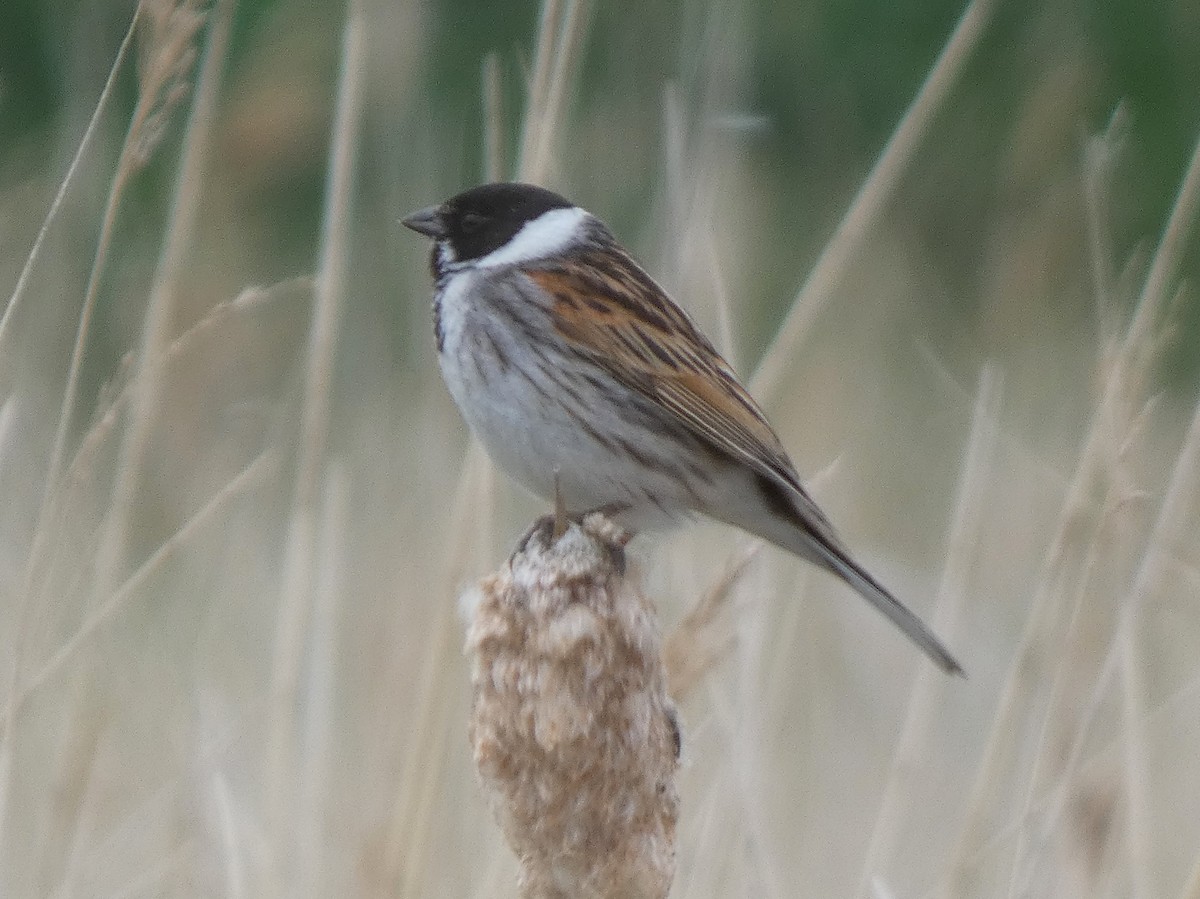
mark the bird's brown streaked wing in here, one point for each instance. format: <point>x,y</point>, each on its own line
<point>605,306</point>
<point>617,316</point>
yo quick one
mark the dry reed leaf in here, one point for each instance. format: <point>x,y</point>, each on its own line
<point>166,56</point>
<point>704,637</point>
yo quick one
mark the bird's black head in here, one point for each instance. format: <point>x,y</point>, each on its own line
<point>483,219</point>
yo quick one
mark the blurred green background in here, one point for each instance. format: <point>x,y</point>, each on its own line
<point>815,90</point>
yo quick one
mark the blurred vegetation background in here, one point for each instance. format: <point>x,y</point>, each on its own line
<point>817,89</point>
<point>724,142</point>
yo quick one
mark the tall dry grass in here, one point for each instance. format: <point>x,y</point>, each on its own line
<point>232,655</point>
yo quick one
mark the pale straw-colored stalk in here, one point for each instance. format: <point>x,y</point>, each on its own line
<point>539,85</point>
<point>1101,156</point>
<point>41,531</point>
<point>318,706</point>
<point>558,50</point>
<point>409,829</point>
<point>161,89</point>
<point>14,301</point>
<point>260,470</point>
<point>1172,528</point>
<point>870,201</point>
<point>300,552</point>
<point>158,320</point>
<point>493,118</point>
<point>222,315</point>
<point>1192,889</point>
<point>232,852</point>
<point>963,547</point>
<point>1149,313</point>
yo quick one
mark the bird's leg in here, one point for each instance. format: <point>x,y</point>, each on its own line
<point>560,508</point>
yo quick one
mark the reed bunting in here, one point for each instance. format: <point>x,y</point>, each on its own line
<point>574,367</point>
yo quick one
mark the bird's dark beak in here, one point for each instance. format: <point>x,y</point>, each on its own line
<point>428,222</point>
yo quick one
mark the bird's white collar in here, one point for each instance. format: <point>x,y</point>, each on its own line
<point>549,233</point>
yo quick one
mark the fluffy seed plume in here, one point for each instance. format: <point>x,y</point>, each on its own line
<point>575,738</point>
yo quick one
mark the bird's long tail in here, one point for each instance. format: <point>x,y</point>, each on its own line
<point>799,526</point>
<point>839,562</point>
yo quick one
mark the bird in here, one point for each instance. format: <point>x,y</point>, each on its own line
<point>585,381</point>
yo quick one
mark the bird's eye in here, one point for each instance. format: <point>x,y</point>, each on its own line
<point>472,222</point>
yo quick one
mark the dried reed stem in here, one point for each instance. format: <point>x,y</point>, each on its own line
<point>161,89</point>
<point>493,119</point>
<point>1125,364</point>
<point>963,548</point>
<point>84,142</point>
<point>870,200</point>
<point>420,780</point>
<point>251,476</point>
<point>42,531</point>
<point>317,730</point>
<point>1135,783</point>
<point>301,549</point>
<point>557,50</point>
<point>700,640</point>
<point>575,738</point>
<point>225,313</point>
<point>157,322</point>
<point>1164,270</point>
<point>1170,529</point>
<point>8,409</point>
<point>1192,890</point>
<point>1101,156</point>
<point>539,83</point>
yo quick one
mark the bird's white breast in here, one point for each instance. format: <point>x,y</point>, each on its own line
<point>529,402</point>
<point>486,364</point>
